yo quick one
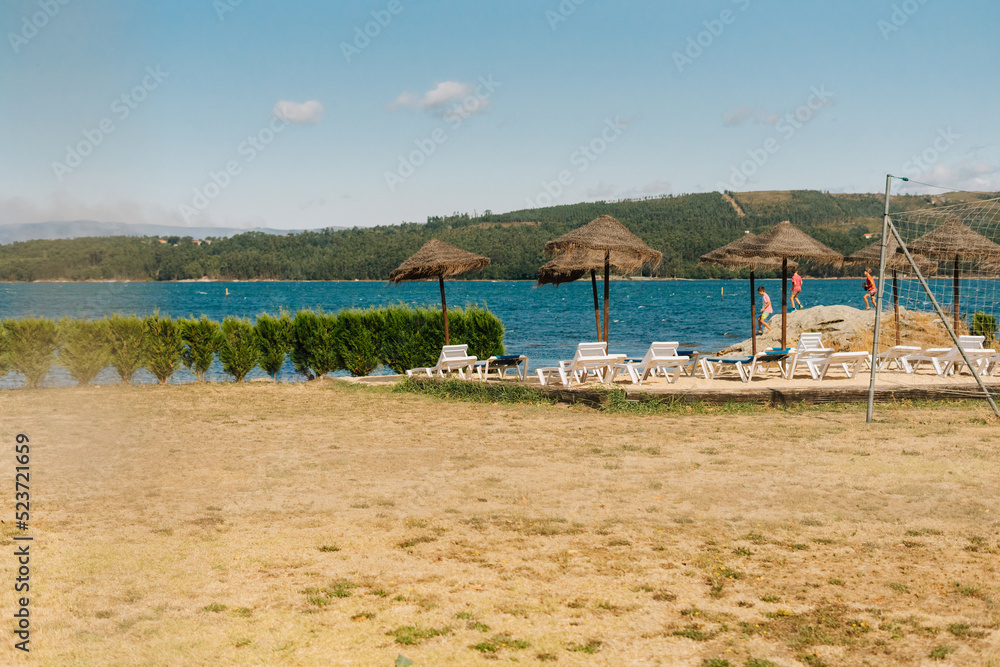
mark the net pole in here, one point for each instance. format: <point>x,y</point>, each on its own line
<point>944,318</point>
<point>878,302</point>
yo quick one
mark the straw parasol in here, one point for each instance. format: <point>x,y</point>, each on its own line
<point>895,261</point>
<point>784,242</point>
<point>567,268</point>
<point>724,257</point>
<point>437,259</point>
<point>955,240</point>
<point>605,236</point>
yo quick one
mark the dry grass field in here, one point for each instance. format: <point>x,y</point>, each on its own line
<point>330,524</point>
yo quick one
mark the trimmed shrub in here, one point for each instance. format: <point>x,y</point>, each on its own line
<point>31,347</point>
<point>164,346</point>
<point>127,339</point>
<point>357,333</point>
<point>478,328</point>
<point>275,334</point>
<point>984,324</point>
<point>411,337</point>
<point>202,339</point>
<point>314,344</point>
<point>84,349</point>
<point>240,349</point>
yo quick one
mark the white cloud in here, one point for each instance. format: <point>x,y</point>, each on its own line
<point>445,96</point>
<point>293,112</point>
<point>965,174</point>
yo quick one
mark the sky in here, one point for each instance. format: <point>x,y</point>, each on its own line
<point>309,114</point>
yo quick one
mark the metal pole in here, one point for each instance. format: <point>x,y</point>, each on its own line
<point>607,289</point>
<point>597,305</point>
<point>895,304</point>
<point>444,310</point>
<point>944,319</point>
<point>878,302</point>
<point>784,303</point>
<point>956,279</point>
<point>753,313</point>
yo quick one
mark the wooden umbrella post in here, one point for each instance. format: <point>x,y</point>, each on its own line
<point>597,305</point>
<point>607,292</point>
<point>753,313</point>
<point>895,303</point>
<point>956,294</point>
<point>444,310</point>
<point>784,303</point>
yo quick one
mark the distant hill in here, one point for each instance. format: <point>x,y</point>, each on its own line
<point>681,227</point>
<point>75,229</point>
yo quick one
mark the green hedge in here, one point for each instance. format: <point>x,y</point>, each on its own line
<point>358,341</point>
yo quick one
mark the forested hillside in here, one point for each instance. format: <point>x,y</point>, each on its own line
<point>683,228</point>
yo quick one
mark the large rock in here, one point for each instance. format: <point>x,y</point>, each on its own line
<point>839,325</point>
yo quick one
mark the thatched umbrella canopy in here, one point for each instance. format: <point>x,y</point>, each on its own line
<point>955,240</point>
<point>894,261</point>
<point>724,257</point>
<point>437,259</point>
<point>784,242</point>
<point>605,236</point>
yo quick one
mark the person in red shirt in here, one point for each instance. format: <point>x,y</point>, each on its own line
<point>870,290</point>
<point>796,288</point>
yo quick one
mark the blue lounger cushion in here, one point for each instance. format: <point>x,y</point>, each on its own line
<point>731,360</point>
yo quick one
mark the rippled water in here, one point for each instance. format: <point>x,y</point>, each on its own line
<point>544,323</point>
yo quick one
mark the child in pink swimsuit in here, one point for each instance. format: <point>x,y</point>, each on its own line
<point>796,288</point>
<point>765,312</point>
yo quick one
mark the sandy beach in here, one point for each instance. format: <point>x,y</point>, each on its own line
<point>330,523</point>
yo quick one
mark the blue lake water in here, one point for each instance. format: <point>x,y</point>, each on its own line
<point>544,323</point>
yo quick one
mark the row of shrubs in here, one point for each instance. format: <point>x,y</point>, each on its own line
<point>317,343</point>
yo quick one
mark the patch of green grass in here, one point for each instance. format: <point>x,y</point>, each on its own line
<point>920,532</point>
<point>715,662</point>
<point>663,596</point>
<point>590,648</point>
<point>619,543</point>
<point>898,587</point>
<point>409,635</point>
<point>770,598</point>
<point>546,657</point>
<point>811,659</point>
<point>341,588</point>
<point>414,541</point>
<point>742,551</point>
<point>104,614</point>
<point>215,607</point>
<point>243,612</point>
<point>463,616</point>
<point>836,582</point>
<point>475,625</point>
<point>475,392</point>
<point>367,615</point>
<point>243,641</point>
<point>327,548</point>
<point>692,632</point>
<point>965,630</point>
<point>968,591</point>
<point>756,538</point>
<point>760,662</point>
<point>941,652</point>
<point>380,593</point>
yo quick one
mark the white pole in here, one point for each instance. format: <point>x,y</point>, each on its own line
<point>878,303</point>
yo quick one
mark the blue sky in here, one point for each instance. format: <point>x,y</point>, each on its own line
<point>254,113</point>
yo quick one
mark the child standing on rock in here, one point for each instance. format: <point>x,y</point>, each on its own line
<point>765,312</point>
<point>870,290</point>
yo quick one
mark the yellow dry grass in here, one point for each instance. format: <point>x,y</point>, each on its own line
<point>326,524</point>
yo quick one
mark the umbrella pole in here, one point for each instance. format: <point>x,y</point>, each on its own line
<point>597,305</point>
<point>607,291</point>
<point>956,294</point>
<point>444,310</point>
<point>784,303</point>
<point>753,314</point>
<point>895,303</point>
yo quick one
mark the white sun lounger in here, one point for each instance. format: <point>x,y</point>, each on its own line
<point>746,367</point>
<point>589,358</point>
<point>502,365</point>
<point>809,348</point>
<point>897,354</point>
<point>849,361</point>
<point>660,357</point>
<point>453,358</point>
<point>946,360</point>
